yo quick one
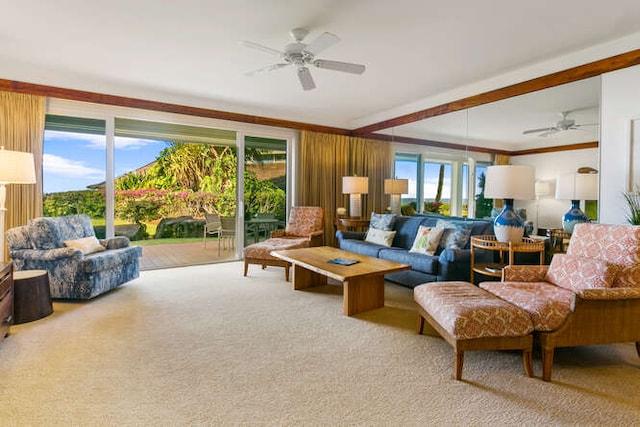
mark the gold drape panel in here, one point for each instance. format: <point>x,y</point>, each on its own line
<point>326,158</point>
<point>22,129</point>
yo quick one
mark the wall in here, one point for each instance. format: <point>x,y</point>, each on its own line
<point>620,107</point>
<point>547,209</point>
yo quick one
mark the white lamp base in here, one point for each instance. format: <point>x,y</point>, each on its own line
<point>508,233</point>
<point>355,205</point>
<point>396,204</point>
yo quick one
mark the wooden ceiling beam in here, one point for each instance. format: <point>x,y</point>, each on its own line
<point>580,72</point>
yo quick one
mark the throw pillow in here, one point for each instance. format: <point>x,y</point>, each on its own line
<point>427,240</point>
<point>88,245</point>
<point>380,237</point>
<point>455,235</point>
<point>577,273</point>
<point>382,221</point>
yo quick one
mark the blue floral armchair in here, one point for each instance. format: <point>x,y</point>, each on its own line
<point>40,245</point>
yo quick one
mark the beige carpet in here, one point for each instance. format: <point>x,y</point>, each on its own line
<point>204,346</point>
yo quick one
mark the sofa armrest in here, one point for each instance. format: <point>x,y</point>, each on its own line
<point>352,235</point>
<point>116,242</point>
<point>609,293</point>
<point>524,273</point>
<point>46,254</point>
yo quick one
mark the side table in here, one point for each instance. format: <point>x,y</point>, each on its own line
<point>506,251</point>
<point>32,296</point>
<point>352,224</point>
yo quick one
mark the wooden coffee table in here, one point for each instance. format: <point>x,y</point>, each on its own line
<point>363,282</point>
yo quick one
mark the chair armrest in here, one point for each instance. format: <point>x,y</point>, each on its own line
<point>116,242</point>
<point>278,233</point>
<point>609,293</point>
<point>524,273</point>
<point>316,238</point>
<point>46,254</point>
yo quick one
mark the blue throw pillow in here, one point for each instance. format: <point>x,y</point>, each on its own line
<point>455,235</point>
<point>382,221</point>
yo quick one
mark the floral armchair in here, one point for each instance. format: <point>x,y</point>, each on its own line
<point>588,296</point>
<point>304,229</point>
<point>79,265</point>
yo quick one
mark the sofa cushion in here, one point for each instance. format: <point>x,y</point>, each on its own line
<point>427,240</point>
<point>406,228</point>
<point>382,221</point>
<point>380,237</point>
<point>361,247</point>
<point>87,245</point>
<point>419,262</point>
<point>547,304</point>
<point>112,259</point>
<point>456,234</point>
<point>577,273</point>
<point>51,232</point>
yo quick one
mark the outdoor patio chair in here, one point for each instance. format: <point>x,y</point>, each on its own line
<point>212,228</point>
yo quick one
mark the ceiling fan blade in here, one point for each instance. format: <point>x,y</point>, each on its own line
<point>550,132</point>
<point>265,69</point>
<point>323,41</point>
<point>526,132</point>
<point>346,67</point>
<point>262,48</point>
<point>304,75</point>
<point>585,124</point>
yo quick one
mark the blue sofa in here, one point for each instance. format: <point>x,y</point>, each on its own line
<point>448,264</point>
<point>40,245</point>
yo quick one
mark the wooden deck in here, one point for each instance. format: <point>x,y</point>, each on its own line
<point>183,254</point>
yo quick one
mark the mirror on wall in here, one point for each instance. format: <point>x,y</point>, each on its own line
<point>545,129</point>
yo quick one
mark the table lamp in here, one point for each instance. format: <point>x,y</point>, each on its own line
<point>354,186</point>
<point>396,188</point>
<point>16,167</point>
<point>509,182</point>
<point>576,187</point>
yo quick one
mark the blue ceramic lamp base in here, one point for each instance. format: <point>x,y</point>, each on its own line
<point>508,226</point>
<point>573,216</point>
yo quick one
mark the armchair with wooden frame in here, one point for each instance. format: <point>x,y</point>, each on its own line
<point>305,228</point>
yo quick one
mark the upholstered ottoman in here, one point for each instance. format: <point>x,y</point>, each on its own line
<point>470,318</point>
<point>260,253</point>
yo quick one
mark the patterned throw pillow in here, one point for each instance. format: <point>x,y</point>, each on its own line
<point>427,240</point>
<point>382,221</point>
<point>380,237</point>
<point>455,235</point>
<point>87,245</point>
<point>576,273</point>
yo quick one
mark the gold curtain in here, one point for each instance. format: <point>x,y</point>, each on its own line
<point>326,158</point>
<point>22,129</point>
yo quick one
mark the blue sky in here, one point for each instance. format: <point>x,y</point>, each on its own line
<point>72,161</point>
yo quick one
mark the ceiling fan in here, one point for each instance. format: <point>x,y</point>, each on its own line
<point>564,124</point>
<point>302,55</point>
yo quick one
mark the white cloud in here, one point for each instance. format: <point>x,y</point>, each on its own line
<point>60,166</point>
<point>99,142</point>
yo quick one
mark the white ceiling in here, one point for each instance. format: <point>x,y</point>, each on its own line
<point>190,52</point>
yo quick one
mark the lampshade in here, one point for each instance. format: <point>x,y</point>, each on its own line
<point>355,185</point>
<point>396,186</point>
<point>16,167</point>
<point>509,182</point>
<point>577,186</point>
<point>542,188</point>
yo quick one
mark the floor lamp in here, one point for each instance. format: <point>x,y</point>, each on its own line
<point>16,167</point>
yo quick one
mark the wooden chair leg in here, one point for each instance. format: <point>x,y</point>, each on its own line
<point>638,348</point>
<point>458,364</point>
<point>246,267</point>
<point>286,273</point>
<point>547,363</point>
<point>420,324</point>
<point>527,359</point>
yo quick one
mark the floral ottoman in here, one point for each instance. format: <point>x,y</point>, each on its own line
<point>470,318</point>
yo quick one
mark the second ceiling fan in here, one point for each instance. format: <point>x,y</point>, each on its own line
<point>564,124</point>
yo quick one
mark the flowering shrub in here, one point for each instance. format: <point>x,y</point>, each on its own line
<point>150,204</point>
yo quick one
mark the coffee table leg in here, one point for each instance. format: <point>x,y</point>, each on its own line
<point>303,278</point>
<point>363,294</point>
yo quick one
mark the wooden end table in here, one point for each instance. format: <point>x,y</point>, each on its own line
<point>363,282</point>
<point>32,296</point>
